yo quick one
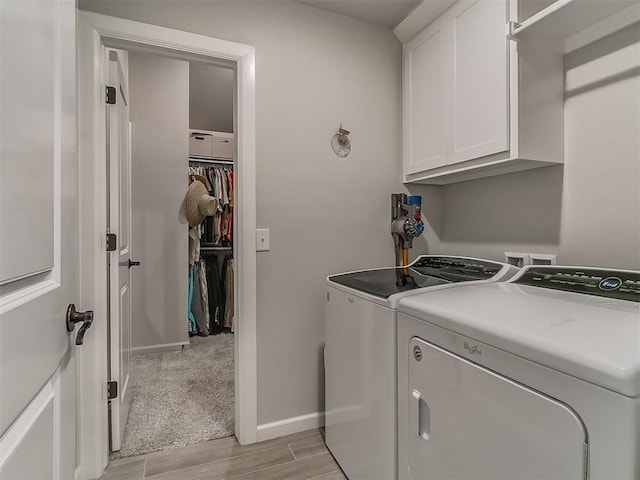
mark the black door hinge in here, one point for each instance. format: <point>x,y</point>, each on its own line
<point>112,390</point>
<point>110,95</point>
<point>112,242</point>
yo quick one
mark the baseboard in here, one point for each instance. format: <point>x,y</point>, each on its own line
<point>291,425</point>
<point>166,347</point>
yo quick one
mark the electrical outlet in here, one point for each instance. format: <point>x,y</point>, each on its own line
<point>262,240</point>
<point>517,259</point>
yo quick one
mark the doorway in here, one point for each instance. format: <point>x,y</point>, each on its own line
<point>96,34</point>
<point>172,317</point>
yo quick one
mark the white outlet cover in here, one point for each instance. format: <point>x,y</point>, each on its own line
<point>262,240</point>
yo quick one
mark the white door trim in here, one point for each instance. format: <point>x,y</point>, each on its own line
<point>118,32</point>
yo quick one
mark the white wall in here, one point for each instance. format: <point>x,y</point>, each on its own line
<point>587,212</point>
<point>210,97</point>
<point>159,112</point>
<point>314,69</point>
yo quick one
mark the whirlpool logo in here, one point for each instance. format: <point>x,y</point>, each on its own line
<point>471,349</point>
<point>610,283</point>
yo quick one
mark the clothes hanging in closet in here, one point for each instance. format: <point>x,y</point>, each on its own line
<point>228,288</point>
<point>220,279</point>
<point>216,293</point>
<point>217,229</point>
<point>211,277</point>
<point>198,296</point>
<point>199,318</point>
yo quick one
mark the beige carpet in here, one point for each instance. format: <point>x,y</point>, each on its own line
<point>181,398</point>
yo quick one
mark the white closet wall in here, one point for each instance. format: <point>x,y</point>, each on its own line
<point>159,91</point>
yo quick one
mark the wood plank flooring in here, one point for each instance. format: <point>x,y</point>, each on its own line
<point>300,456</point>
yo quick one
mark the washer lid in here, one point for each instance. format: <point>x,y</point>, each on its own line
<point>593,338</point>
<point>426,271</point>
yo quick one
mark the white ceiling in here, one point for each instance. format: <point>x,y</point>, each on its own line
<point>388,13</point>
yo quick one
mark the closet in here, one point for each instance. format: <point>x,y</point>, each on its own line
<point>211,156</point>
<point>211,269</point>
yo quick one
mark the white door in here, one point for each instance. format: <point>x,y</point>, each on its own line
<point>477,76</point>
<point>465,421</point>
<point>424,100</point>
<point>38,238</point>
<point>119,219</point>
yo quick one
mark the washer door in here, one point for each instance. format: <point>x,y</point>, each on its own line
<point>468,422</point>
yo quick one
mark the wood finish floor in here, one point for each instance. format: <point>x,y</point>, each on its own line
<point>301,456</point>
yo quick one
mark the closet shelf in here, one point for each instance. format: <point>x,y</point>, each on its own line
<point>210,160</point>
<point>566,25</point>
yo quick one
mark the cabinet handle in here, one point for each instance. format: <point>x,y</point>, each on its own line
<point>423,416</point>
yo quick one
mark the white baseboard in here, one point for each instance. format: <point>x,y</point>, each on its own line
<point>267,431</point>
<point>166,347</point>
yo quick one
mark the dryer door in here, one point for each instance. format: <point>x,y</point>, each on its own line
<point>468,422</point>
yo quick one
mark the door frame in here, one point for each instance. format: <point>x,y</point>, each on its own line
<point>95,33</point>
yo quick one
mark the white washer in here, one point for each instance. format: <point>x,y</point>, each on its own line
<point>360,354</point>
<point>538,377</point>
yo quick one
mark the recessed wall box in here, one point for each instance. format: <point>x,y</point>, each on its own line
<point>517,259</point>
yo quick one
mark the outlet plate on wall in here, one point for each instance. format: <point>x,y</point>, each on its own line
<point>262,240</point>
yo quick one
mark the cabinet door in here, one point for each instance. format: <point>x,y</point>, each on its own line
<point>424,100</point>
<point>477,75</point>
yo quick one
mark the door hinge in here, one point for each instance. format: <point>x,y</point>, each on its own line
<point>110,96</point>
<point>111,242</point>
<point>112,390</point>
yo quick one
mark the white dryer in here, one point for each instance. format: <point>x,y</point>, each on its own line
<point>360,354</point>
<point>534,378</point>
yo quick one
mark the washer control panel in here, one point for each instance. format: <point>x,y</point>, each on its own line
<point>620,284</point>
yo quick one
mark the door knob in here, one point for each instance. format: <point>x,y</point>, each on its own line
<point>74,317</point>
<point>133,264</point>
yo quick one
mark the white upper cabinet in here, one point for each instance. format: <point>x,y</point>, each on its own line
<point>424,82</point>
<point>478,80</point>
<point>476,103</point>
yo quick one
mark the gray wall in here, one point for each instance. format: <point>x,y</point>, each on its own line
<point>210,97</point>
<point>314,69</point>
<point>587,212</point>
<point>159,150</point>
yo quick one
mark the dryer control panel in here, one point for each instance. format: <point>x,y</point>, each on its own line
<point>620,284</point>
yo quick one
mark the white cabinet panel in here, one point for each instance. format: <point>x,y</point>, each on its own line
<point>465,421</point>
<point>424,102</point>
<point>478,78</point>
